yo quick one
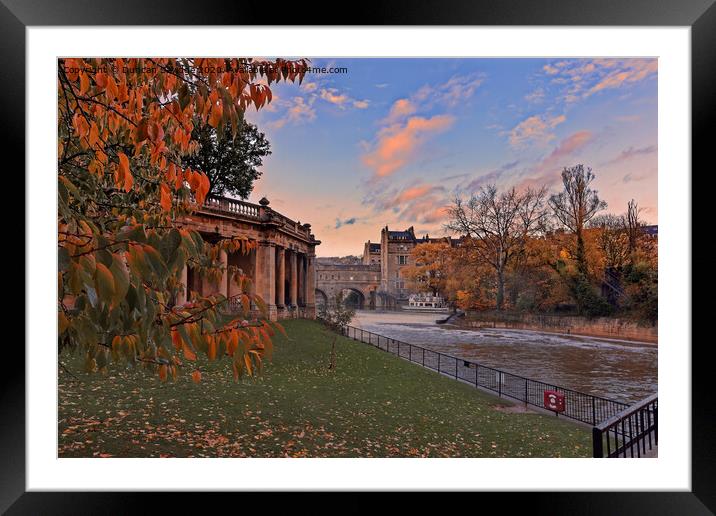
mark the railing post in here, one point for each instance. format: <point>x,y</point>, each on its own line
<point>439,355</point>
<point>594,410</point>
<point>597,445</point>
<point>499,383</point>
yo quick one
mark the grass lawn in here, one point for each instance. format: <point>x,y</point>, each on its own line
<point>373,405</point>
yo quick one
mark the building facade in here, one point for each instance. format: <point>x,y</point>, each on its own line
<point>281,269</point>
<point>379,279</point>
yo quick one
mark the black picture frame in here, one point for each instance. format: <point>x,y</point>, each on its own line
<point>700,15</point>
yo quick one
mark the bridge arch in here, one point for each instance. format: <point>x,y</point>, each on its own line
<point>353,297</point>
<point>321,298</point>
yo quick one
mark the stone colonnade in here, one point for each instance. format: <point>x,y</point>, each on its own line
<point>284,278</point>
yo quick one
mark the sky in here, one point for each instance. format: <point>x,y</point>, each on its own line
<point>394,141</point>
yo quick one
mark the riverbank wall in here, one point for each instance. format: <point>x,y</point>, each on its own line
<point>607,327</point>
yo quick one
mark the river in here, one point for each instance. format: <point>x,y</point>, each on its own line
<point>620,370</point>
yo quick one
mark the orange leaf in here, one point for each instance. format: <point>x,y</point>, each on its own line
<point>176,339</point>
<point>166,198</point>
<point>196,376</point>
<point>212,349</point>
<point>84,83</point>
<point>155,132</point>
<point>124,171</point>
<point>163,372</point>
<point>188,352</point>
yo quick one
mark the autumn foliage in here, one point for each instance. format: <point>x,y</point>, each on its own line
<point>124,127</point>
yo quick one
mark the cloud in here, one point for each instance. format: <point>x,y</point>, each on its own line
<point>546,172</point>
<point>399,199</point>
<point>298,111</point>
<point>405,128</point>
<point>342,100</point>
<point>491,177</point>
<point>582,78</point>
<point>457,89</point>
<point>632,70</point>
<point>420,203</point>
<point>345,222</point>
<point>397,144</point>
<point>400,109</point>
<point>332,96</point>
<point>535,97</point>
<point>536,128</point>
<point>630,153</point>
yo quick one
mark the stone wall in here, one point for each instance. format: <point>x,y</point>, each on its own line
<point>607,327</point>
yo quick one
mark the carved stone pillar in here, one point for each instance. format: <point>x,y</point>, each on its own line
<point>266,276</point>
<point>294,279</point>
<point>281,280</point>
<point>301,280</point>
<point>311,286</point>
<point>223,287</point>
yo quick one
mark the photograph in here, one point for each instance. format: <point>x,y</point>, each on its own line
<point>264,256</point>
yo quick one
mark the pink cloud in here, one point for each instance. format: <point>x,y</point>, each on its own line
<point>535,129</point>
<point>546,172</point>
<point>397,144</point>
<point>400,109</point>
<point>331,95</point>
<point>633,70</point>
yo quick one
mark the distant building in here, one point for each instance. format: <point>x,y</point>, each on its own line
<point>652,230</point>
<point>378,277</point>
<point>394,255</point>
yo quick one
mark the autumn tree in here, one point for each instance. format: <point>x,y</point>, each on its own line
<point>612,239</point>
<point>430,270</point>
<point>125,127</point>
<point>498,225</point>
<point>231,160</point>
<point>634,226</point>
<point>575,206</point>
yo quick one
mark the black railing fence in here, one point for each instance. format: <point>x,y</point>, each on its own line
<point>580,406</point>
<point>631,433</point>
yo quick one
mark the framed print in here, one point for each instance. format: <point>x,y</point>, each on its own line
<point>417,253</point>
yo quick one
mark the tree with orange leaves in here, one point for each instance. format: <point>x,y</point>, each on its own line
<point>124,127</point>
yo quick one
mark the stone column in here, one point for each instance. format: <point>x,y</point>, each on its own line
<point>266,277</point>
<point>183,278</point>
<point>293,292</point>
<point>224,284</point>
<point>234,290</point>
<point>281,280</point>
<point>301,280</point>
<point>311,286</point>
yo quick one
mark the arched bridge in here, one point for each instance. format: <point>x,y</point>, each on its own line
<point>361,280</point>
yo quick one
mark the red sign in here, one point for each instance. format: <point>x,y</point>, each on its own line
<point>554,400</point>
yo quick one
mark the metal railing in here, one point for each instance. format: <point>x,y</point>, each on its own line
<point>632,432</point>
<point>580,406</point>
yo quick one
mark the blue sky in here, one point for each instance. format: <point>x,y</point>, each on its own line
<point>392,141</point>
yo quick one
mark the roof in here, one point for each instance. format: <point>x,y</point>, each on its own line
<point>408,234</point>
<point>652,230</point>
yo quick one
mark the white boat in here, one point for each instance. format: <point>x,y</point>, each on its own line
<point>426,303</point>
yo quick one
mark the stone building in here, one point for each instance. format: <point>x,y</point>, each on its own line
<point>379,280</point>
<point>282,268</point>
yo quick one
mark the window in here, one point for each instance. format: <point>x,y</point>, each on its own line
<point>402,259</point>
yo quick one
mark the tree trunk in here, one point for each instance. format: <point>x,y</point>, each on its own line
<point>500,289</point>
<point>581,255</point>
